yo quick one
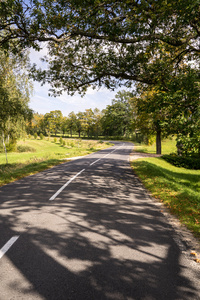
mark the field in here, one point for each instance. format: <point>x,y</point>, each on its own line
<point>177,188</point>
<point>38,155</point>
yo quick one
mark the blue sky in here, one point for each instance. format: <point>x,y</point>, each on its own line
<point>40,101</point>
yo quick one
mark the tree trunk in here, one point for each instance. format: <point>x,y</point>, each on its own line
<point>4,147</point>
<point>158,140</point>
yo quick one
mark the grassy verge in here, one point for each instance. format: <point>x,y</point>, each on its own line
<point>168,146</point>
<point>44,155</point>
<point>177,188</point>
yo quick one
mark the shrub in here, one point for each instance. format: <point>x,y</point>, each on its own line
<point>35,136</point>
<point>11,147</point>
<point>61,140</point>
<point>41,136</point>
<point>183,161</point>
<point>64,143</point>
<point>55,140</point>
<point>23,148</point>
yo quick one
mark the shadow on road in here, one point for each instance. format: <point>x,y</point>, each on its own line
<point>101,238</point>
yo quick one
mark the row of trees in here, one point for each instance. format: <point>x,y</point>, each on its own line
<point>115,120</point>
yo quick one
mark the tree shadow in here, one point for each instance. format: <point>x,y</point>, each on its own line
<point>101,238</point>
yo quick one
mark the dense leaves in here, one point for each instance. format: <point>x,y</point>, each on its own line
<point>14,94</point>
<point>99,43</point>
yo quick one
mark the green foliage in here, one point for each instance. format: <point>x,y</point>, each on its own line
<point>14,97</point>
<point>11,146</point>
<point>118,117</point>
<point>51,122</point>
<point>25,148</point>
<point>35,136</point>
<point>183,162</point>
<point>41,136</point>
<point>171,107</point>
<point>64,143</point>
<point>55,140</point>
<point>61,140</point>
<point>132,32</point>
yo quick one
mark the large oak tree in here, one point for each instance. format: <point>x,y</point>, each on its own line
<point>97,43</point>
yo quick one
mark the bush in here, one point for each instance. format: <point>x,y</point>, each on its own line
<point>64,143</point>
<point>35,136</point>
<point>61,140</point>
<point>23,148</point>
<point>41,136</point>
<point>11,147</point>
<point>55,140</point>
<point>183,161</point>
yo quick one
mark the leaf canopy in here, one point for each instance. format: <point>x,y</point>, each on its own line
<point>108,43</point>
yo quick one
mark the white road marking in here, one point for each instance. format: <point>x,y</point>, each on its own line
<point>7,246</point>
<point>68,182</point>
<point>105,155</point>
<point>95,161</point>
<point>64,186</point>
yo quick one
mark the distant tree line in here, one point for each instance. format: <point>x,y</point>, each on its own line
<point>114,121</point>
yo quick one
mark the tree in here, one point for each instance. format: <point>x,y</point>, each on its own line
<point>172,108</point>
<point>79,123</point>
<point>52,121</point>
<point>117,119</point>
<point>64,125</point>
<point>71,123</point>
<point>99,43</point>
<point>14,97</point>
<point>37,124</point>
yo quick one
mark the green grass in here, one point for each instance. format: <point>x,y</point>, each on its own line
<point>168,146</point>
<point>177,188</point>
<point>46,154</point>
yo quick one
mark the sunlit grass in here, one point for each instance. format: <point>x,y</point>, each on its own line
<point>168,146</point>
<point>47,154</point>
<point>178,188</point>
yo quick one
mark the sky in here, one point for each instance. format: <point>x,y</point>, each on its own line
<point>42,103</point>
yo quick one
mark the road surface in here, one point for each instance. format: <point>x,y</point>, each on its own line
<point>86,229</point>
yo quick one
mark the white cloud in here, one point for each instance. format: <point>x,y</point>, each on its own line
<point>42,103</point>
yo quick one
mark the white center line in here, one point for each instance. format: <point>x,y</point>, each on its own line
<point>68,182</point>
<point>64,186</point>
<point>7,246</point>
<point>105,155</point>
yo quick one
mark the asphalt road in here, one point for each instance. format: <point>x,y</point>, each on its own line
<point>87,230</point>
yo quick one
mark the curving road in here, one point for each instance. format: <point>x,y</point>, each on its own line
<point>86,229</point>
